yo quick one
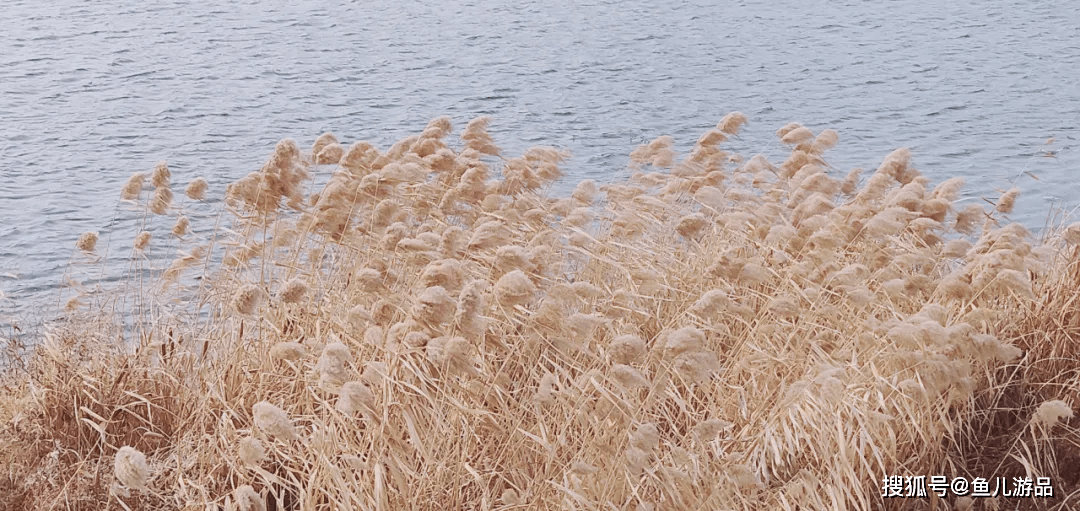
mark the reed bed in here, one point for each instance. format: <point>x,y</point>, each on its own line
<point>432,329</point>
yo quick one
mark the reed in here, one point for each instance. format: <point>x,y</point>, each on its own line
<point>432,330</point>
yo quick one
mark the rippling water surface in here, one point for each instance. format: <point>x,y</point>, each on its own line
<point>93,91</point>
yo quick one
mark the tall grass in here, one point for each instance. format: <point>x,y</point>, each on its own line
<point>432,330</point>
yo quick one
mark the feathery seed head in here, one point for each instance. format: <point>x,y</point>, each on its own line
<point>321,142</point>
<point>87,241</point>
<point>626,349</point>
<point>142,240</point>
<point>514,288</point>
<point>133,186</point>
<point>956,248</point>
<point>251,451</point>
<point>330,154</point>
<point>646,437</point>
<point>692,226</point>
<point>1051,412</point>
<point>784,307</point>
<point>787,128</point>
<point>1008,200</point>
<point>355,396</point>
<point>130,468</point>
<point>827,139</point>
<point>1071,235</point>
<point>273,421</point>
<point>160,176</point>
<point>247,298</point>
<point>292,351</point>
<point>696,366</point>
<point>369,279</point>
<point>710,429</point>
<point>948,189</point>
<point>685,339</point>
<point>247,499</point>
<point>434,306</point>
<point>585,191</point>
<point>545,392</point>
<point>798,135</point>
<point>453,353</point>
<point>180,228</point>
<point>293,291</point>
<point>582,326</point>
<point>968,218</point>
<point>196,189</point>
<point>159,204</point>
<point>333,364</point>
<point>628,376</point>
<point>510,497</point>
<point>731,123</point>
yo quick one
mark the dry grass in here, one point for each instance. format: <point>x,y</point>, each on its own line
<point>716,333</point>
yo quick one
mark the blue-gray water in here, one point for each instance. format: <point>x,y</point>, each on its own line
<point>93,91</point>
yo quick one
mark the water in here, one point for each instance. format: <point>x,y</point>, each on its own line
<point>93,91</point>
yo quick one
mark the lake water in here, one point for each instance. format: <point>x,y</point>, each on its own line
<point>93,91</point>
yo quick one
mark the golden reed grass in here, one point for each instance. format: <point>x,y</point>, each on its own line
<point>431,330</point>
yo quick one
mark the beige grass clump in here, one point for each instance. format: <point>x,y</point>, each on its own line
<point>131,469</point>
<point>87,241</point>
<point>273,421</point>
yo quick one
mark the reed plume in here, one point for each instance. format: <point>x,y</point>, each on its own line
<point>87,241</point>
